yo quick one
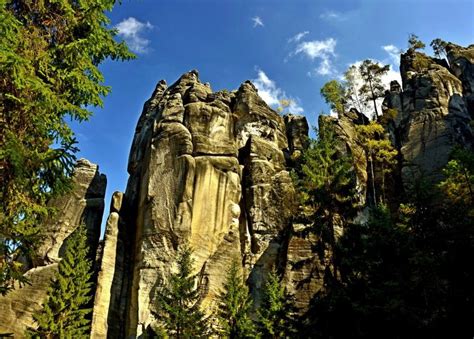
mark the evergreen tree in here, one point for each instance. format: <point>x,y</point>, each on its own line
<point>372,88</point>
<point>65,312</point>
<point>50,53</point>
<point>414,43</point>
<point>327,185</point>
<point>234,307</point>
<point>276,315</point>
<point>439,48</point>
<point>178,302</point>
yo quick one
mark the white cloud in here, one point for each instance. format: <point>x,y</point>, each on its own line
<point>257,21</point>
<point>272,95</point>
<point>131,30</point>
<point>332,16</point>
<point>319,49</point>
<point>297,37</point>
<point>394,53</point>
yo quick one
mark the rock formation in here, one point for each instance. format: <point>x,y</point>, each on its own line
<point>211,170</point>
<point>83,205</point>
<point>430,113</point>
<point>206,169</point>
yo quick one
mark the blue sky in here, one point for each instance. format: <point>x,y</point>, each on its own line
<point>290,48</point>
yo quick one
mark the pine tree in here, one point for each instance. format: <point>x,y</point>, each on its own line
<point>414,43</point>
<point>276,315</point>
<point>65,312</point>
<point>178,302</point>
<point>372,88</point>
<point>50,53</point>
<point>234,307</point>
<point>327,186</point>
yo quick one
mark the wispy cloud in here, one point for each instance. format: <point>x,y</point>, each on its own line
<point>298,37</point>
<point>257,21</point>
<point>332,16</point>
<point>394,53</point>
<point>324,50</point>
<point>131,30</point>
<point>273,95</point>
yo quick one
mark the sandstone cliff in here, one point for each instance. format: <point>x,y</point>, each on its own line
<point>83,205</point>
<point>211,169</point>
<point>207,169</point>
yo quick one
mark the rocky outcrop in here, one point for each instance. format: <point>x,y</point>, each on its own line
<point>207,169</point>
<point>84,204</point>
<point>430,115</point>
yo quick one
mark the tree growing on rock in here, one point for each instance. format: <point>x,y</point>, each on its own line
<point>65,312</point>
<point>414,43</point>
<point>439,48</point>
<point>178,302</point>
<point>333,93</point>
<point>372,88</point>
<point>235,306</point>
<point>50,53</point>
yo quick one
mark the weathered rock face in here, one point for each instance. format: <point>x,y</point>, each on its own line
<point>206,169</point>
<point>83,205</point>
<point>431,114</point>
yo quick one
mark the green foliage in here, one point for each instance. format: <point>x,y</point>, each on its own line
<point>333,93</point>
<point>421,62</point>
<point>50,53</point>
<point>326,178</point>
<point>372,88</point>
<point>414,43</point>
<point>178,302</point>
<point>234,307</point>
<point>458,185</point>
<point>65,312</point>
<point>276,315</point>
<point>439,48</point>
<point>380,153</point>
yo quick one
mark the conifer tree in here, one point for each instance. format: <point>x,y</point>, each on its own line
<point>276,315</point>
<point>50,53</point>
<point>65,312</point>
<point>372,88</point>
<point>327,186</point>
<point>234,307</point>
<point>178,302</point>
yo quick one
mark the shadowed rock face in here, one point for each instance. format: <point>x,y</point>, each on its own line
<point>83,205</point>
<point>432,112</point>
<point>206,169</point>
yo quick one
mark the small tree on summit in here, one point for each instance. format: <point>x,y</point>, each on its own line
<point>178,302</point>
<point>333,93</point>
<point>414,43</point>
<point>65,313</point>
